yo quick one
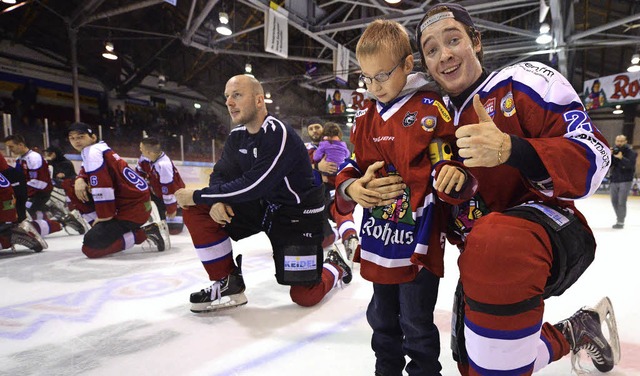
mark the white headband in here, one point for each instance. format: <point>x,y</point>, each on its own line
<point>435,18</point>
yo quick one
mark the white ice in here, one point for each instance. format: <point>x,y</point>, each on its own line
<point>128,314</point>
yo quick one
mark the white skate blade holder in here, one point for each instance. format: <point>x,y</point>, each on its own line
<point>607,316</point>
<point>225,302</point>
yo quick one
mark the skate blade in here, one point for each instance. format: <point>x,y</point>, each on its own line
<point>226,302</point>
<point>605,311</point>
<point>164,230</point>
<point>604,308</point>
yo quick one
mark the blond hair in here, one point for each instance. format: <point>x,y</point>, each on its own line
<point>384,36</point>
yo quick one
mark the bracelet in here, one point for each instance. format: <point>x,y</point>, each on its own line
<point>500,151</point>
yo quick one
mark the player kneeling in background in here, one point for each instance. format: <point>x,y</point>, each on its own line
<point>164,180</point>
<point>12,232</point>
<point>121,197</point>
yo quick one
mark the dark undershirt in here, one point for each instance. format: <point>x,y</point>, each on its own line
<point>523,155</point>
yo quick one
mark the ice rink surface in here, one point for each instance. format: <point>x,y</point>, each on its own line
<point>128,314</point>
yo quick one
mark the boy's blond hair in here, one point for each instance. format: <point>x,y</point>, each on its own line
<point>384,36</point>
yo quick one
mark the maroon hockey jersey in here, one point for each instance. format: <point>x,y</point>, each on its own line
<point>164,179</point>
<point>117,190</point>
<point>36,171</point>
<point>395,239</point>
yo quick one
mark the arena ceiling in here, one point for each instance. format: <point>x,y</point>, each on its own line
<point>155,38</point>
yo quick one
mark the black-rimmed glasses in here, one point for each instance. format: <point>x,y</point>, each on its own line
<point>380,77</point>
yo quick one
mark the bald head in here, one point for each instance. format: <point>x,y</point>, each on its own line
<point>247,81</point>
<point>245,101</point>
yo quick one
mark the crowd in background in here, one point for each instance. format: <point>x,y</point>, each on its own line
<point>123,126</point>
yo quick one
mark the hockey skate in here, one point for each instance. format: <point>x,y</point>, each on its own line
<point>334,258</point>
<point>30,240</point>
<point>350,245</point>
<point>28,227</point>
<point>225,293</point>
<point>74,223</point>
<point>154,237</point>
<point>583,331</point>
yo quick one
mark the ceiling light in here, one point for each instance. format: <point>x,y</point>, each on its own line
<point>197,105</point>
<point>350,108</point>
<point>635,59</point>
<point>361,88</point>
<point>544,36</point>
<point>9,1</point>
<point>618,110</point>
<point>248,68</point>
<point>223,28</point>
<point>267,97</point>
<point>393,1</point>
<point>109,52</point>
<point>633,68</point>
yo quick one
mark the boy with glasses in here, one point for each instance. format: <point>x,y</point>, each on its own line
<point>401,250</point>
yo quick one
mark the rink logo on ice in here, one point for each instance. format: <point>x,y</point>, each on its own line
<point>299,263</point>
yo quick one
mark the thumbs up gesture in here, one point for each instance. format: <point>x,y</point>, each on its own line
<point>482,144</point>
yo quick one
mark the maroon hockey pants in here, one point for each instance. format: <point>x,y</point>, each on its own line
<point>503,268</point>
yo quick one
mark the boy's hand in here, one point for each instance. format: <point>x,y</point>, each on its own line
<point>369,191</point>
<point>448,178</point>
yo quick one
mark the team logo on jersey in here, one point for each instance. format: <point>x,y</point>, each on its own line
<point>507,105</point>
<point>399,211</point>
<point>361,112</point>
<point>429,123</point>
<point>409,119</point>
<point>443,111</point>
<point>490,106</point>
<point>4,182</point>
<point>255,152</point>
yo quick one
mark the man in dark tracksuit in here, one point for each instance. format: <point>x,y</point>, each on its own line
<point>263,182</point>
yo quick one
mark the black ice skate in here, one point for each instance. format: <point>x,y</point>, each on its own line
<point>334,258</point>
<point>350,246</point>
<point>226,293</point>
<point>154,237</point>
<point>30,240</point>
<point>583,331</point>
<point>69,221</point>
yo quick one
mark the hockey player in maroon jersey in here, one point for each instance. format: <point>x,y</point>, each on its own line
<point>262,183</point>
<point>13,232</point>
<point>39,186</point>
<point>401,248</point>
<point>120,196</point>
<point>164,180</point>
<point>528,140</point>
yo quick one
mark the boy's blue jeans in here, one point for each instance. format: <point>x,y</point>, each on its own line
<point>401,316</point>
